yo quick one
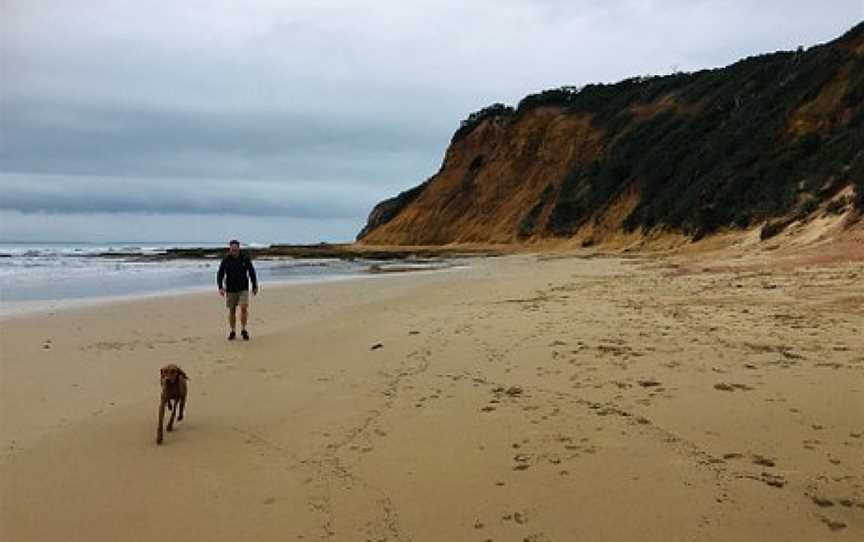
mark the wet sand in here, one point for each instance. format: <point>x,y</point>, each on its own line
<point>538,398</point>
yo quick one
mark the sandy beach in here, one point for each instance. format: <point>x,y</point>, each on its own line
<point>555,397</point>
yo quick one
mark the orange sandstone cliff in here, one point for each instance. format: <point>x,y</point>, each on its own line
<point>766,142</point>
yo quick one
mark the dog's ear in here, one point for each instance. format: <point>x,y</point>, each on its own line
<point>183,374</point>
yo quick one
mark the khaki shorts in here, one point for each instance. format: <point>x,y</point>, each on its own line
<point>232,299</point>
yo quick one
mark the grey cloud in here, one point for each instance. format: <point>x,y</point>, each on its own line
<point>144,227</point>
<point>317,108</point>
<point>60,138</point>
<point>322,56</point>
<point>27,193</point>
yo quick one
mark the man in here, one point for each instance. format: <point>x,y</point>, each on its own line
<point>236,268</point>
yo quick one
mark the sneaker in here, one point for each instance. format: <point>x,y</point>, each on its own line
<point>244,334</point>
<point>232,336</point>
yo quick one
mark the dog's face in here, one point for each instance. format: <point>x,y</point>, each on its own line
<point>170,374</point>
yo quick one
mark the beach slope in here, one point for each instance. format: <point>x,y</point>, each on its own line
<point>540,398</point>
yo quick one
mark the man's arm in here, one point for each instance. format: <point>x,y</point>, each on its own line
<point>254,278</point>
<point>220,275</point>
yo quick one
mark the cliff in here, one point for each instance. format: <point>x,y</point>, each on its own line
<point>764,142</point>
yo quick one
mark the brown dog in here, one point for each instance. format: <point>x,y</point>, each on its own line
<point>173,381</point>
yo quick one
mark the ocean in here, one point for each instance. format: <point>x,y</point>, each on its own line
<point>34,275</point>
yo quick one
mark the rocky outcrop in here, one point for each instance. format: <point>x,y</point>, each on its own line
<point>386,210</point>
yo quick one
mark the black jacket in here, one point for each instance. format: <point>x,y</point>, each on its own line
<point>234,271</point>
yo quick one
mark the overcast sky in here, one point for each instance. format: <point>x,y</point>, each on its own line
<point>279,120</point>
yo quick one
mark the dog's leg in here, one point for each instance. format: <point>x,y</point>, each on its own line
<point>182,408</point>
<point>161,419</point>
<point>170,426</point>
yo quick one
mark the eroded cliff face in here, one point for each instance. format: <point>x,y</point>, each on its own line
<point>489,179</point>
<point>770,139</point>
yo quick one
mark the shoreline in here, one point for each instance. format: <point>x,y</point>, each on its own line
<point>524,397</point>
<point>17,308</point>
<point>340,251</point>
<point>10,310</point>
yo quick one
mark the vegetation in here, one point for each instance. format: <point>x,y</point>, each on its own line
<point>474,119</point>
<point>723,157</point>
<point>528,224</point>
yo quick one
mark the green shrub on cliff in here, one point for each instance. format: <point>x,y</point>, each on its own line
<point>723,155</point>
<point>468,125</point>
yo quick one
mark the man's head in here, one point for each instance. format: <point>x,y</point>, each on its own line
<point>234,247</point>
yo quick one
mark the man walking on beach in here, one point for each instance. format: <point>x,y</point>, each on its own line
<point>236,268</point>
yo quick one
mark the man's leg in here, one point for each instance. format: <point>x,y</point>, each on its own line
<point>244,317</point>
<point>231,302</point>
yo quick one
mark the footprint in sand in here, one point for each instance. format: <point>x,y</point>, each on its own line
<point>723,386</point>
<point>810,444</point>
<point>773,480</point>
<point>832,524</point>
<point>519,517</point>
<point>822,502</point>
<point>763,461</point>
